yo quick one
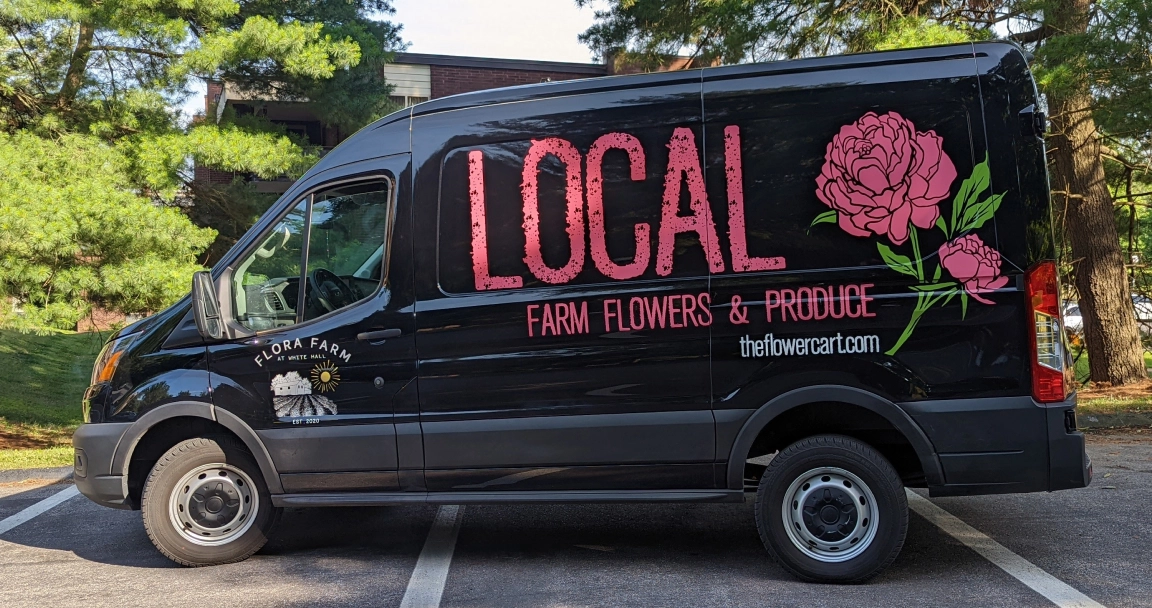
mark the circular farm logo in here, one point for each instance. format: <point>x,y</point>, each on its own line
<point>304,392</point>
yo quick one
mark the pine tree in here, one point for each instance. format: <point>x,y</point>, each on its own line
<point>96,186</point>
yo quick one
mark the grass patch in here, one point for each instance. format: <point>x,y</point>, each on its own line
<point>1090,404</point>
<point>44,378</point>
<point>60,456</point>
<point>1080,367</point>
<point>1095,399</point>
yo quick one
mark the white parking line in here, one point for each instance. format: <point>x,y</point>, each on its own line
<point>11,522</point>
<point>1057,591</point>
<point>427,583</point>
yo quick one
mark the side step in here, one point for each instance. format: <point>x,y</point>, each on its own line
<point>362,499</point>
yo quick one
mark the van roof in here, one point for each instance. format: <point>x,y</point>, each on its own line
<point>607,83</point>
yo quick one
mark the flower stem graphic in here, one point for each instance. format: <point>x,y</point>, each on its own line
<point>916,253</point>
<point>921,308</point>
<point>924,301</point>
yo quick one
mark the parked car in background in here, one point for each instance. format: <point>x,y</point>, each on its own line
<point>1074,321</point>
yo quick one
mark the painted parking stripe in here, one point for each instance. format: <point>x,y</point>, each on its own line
<point>427,583</point>
<point>11,522</point>
<point>1057,591</point>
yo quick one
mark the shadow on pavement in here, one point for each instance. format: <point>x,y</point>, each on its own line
<point>508,555</point>
<point>117,537</point>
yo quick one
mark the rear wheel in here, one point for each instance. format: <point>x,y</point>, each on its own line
<point>832,509</point>
<point>205,503</point>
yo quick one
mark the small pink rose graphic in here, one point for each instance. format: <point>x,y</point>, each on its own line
<point>974,264</point>
<point>880,174</point>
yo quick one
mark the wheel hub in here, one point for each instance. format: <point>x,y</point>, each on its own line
<point>213,504</point>
<point>829,514</point>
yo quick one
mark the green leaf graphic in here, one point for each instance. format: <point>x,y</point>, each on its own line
<point>970,192</point>
<point>934,286</point>
<point>936,275</point>
<point>975,215</point>
<point>943,226</point>
<point>963,305</point>
<point>828,217</point>
<point>895,261</point>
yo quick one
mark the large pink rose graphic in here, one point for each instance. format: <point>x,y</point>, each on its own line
<point>880,174</point>
<point>974,264</point>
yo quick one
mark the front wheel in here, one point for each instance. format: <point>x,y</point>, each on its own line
<point>831,509</point>
<point>205,503</point>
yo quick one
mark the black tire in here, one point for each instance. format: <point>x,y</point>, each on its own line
<point>843,459</point>
<point>242,533</point>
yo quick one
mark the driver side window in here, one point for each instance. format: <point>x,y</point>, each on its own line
<point>347,247</point>
<point>333,244</point>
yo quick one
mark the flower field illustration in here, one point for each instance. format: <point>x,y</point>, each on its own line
<point>884,179</point>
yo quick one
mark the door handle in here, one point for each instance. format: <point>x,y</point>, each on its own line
<point>375,336</point>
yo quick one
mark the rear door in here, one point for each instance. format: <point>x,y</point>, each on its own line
<point>860,195</point>
<point>561,347</point>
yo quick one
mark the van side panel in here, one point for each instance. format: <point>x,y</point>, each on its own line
<point>798,151</point>
<point>787,125</point>
<point>541,372</point>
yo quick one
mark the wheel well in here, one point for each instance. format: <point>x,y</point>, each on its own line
<point>158,440</point>
<point>836,418</point>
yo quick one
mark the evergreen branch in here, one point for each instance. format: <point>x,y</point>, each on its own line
<point>129,49</point>
<point>1108,152</point>
<point>973,15</point>
<point>31,63</point>
<point>1132,196</point>
<point>1035,35</point>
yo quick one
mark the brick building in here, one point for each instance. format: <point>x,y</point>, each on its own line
<point>416,77</point>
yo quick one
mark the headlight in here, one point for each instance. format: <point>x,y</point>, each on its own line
<point>109,358</point>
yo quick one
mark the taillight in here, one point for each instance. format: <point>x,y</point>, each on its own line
<point>1048,360</point>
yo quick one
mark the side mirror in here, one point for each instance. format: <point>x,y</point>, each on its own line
<point>205,307</point>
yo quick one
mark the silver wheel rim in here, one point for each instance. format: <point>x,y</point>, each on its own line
<point>213,504</point>
<point>830,514</point>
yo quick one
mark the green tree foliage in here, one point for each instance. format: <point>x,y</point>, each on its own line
<point>73,233</point>
<point>1093,63</point>
<point>96,166</point>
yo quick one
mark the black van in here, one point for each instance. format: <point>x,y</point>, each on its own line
<point>625,289</point>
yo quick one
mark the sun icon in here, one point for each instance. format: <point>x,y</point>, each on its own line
<point>325,377</point>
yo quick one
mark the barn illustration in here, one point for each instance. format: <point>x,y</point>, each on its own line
<point>292,397</point>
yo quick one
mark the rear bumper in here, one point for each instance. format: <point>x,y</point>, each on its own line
<point>1068,463</point>
<point>95,445</point>
<point>1003,445</point>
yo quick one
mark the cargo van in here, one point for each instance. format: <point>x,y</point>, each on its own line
<point>819,281</point>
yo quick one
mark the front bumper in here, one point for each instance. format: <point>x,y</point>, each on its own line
<point>95,446</point>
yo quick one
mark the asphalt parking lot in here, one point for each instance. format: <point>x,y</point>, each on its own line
<point>1097,541</point>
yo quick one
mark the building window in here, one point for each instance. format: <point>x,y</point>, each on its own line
<point>405,101</point>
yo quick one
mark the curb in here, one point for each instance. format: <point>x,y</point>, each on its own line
<point>1086,420</point>
<point>52,474</point>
